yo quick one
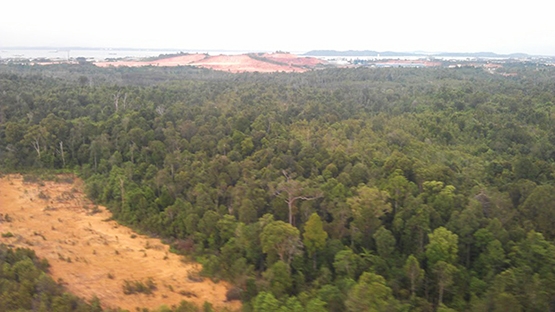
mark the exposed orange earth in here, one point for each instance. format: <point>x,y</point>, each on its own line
<point>92,255</point>
<point>264,63</point>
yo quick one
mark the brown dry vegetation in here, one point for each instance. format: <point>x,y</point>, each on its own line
<point>94,256</point>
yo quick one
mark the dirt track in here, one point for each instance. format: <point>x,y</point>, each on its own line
<point>94,256</point>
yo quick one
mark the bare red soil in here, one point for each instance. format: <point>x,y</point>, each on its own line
<point>94,256</point>
<point>244,63</point>
<point>274,62</point>
<point>180,60</point>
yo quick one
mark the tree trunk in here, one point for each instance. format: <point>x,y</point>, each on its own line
<point>314,261</point>
<point>440,299</point>
<point>62,153</point>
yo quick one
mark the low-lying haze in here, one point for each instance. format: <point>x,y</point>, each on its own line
<point>399,25</point>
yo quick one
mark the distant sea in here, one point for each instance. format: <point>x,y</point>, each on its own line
<point>100,54</point>
<point>65,54</point>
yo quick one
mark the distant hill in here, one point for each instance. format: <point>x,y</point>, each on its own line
<point>394,54</point>
<point>356,53</point>
<point>483,54</point>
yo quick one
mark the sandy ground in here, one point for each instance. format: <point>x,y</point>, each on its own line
<point>91,255</point>
<point>293,59</point>
<point>181,60</point>
<point>244,63</point>
<point>231,63</point>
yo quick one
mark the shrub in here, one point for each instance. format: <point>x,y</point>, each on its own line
<point>133,287</point>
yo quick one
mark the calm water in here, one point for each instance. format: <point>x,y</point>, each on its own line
<point>98,54</point>
<point>102,54</point>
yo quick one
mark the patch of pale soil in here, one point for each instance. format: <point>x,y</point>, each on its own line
<point>244,63</point>
<point>293,59</point>
<point>230,63</point>
<point>180,60</point>
<point>94,256</point>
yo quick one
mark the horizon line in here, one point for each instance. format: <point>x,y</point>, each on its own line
<point>418,52</point>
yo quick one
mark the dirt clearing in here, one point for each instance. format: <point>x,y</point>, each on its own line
<point>263,63</point>
<point>94,256</point>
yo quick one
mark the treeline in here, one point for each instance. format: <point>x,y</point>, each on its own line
<point>25,286</point>
<point>342,189</point>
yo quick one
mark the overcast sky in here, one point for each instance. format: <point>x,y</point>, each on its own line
<point>287,25</point>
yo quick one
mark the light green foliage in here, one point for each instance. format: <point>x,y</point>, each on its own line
<point>385,243</point>
<point>264,302</point>
<point>539,208</point>
<point>439,196</point>
<point>414,273</point>
<point>443,246</point>
<point>399,188</point>
<point>371,294</point>
<point>314,236</point>
<point>316,305</point>
<point>279,279</point>
<point>367,207</point>
<point>442,253</point>
<point>292,305</point>
<point>347,263</point>
<point>281,238</point>
<point>444,273</point>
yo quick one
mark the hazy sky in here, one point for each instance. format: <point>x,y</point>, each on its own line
<point>289,25</point>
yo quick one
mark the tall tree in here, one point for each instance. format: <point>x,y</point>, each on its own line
<point>371,294</point>
<point>442,255</point>
<point>413,272</point>
<point>281,238</point>
<point>293,191</point>
<point>314,236</point>
<point>367,207</point>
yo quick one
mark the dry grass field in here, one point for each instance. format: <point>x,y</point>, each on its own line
<point>94,256</point>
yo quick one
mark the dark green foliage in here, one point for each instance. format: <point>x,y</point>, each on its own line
<point>25,286</point>
<point>335,189</point>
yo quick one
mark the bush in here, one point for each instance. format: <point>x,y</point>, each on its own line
<point>233,294</point>
<point>133,287</point>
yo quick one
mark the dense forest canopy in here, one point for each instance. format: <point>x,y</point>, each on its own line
<point>334,190</point>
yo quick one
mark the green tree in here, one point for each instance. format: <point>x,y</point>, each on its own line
<point>414,273</point>
<point>316,305</point>
<point>314,237</point>
<point>539,208</point>
<point>279,279</point>
<point>443,246</point>
<point>264,302</point>
<point>347,263</point>
<point>442,255</point>
<point>281,238</point>
<point>371,293</point>
<point>367,207</point>
<point>293,191</point>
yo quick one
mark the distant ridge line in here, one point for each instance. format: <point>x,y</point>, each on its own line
<point>423,54</point>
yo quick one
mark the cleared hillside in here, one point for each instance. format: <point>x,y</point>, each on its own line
<point>94,256</point>
<point>264,63</point>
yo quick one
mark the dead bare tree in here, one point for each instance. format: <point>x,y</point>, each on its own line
<point>36,145</point>
<point>116,101</point>
<point>61,151</point>
<point>293,190</point>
